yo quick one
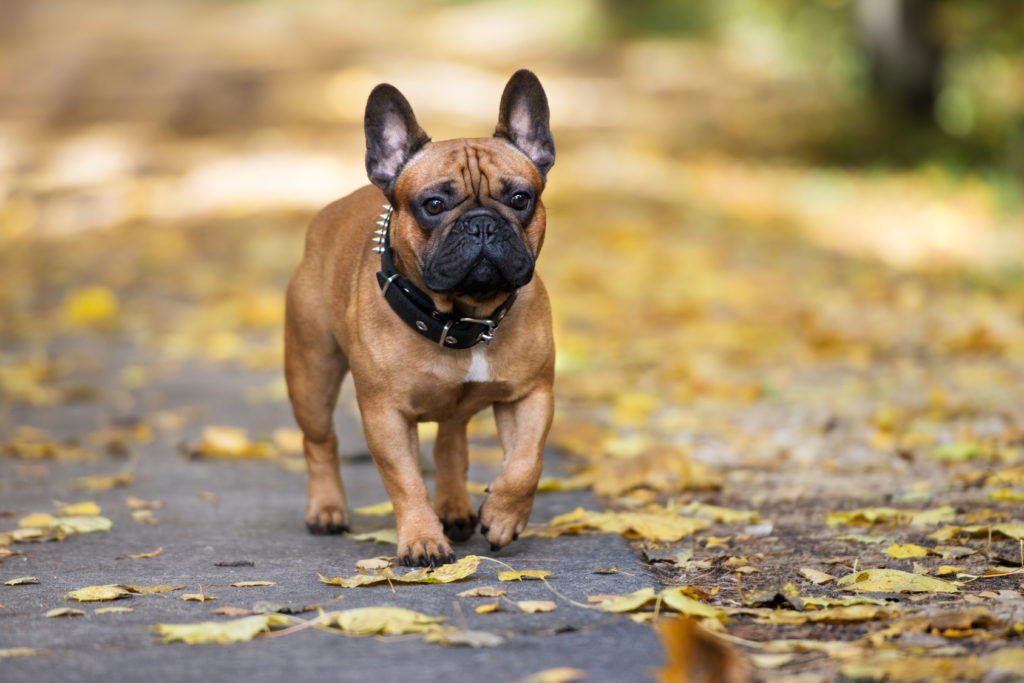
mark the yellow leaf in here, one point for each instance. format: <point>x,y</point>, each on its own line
<point>373,564</point>
<point>1013,530</point>
<point>376,510</point>
<point>561,674</point>
<point>535,606</point>
<point>198,597</point>
<point>39,519</point>
<point>90,306</point>
<point>815,576</point>
<point>230,442</point>
<point>676,599</point>
<point>221,632</point>
<point>113,610</point>
<point>656,526</point>
<point>144,517</point>
<point>104,482</point>
<point>86,509</point>
<point>447,573</point>
<point>630,601</point>
<point>98,593</point>
<point>487,608</point>
<point>894,581</point>
<point>903,552</point>
<point>253,584</point>
<point>1007,496</point>
<point>150,590</point>
<point>520,574</point>
<point>482,592</point>
<point>381,536</point>
<point>881,515</point>
<point>720,514</point>
<point>21,651</point>
<point>64,612</point>
<point>368,621</point>
<point>21,581</point>
<point>140,556</point>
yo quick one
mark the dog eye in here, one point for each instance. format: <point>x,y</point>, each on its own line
<point>433,206</point>
<point>519,201</point>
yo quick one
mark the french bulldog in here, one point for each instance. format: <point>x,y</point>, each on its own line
<point>422,286</point>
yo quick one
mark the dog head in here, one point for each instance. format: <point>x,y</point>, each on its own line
<point>468,220</point>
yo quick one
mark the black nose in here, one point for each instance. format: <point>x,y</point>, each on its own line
<point>480,226</point>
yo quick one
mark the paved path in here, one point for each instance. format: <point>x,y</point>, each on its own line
<point>251,511</point>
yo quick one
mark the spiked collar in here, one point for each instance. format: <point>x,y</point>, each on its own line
<point>417,310</point>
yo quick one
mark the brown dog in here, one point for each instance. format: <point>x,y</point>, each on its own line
<point>435,310</point>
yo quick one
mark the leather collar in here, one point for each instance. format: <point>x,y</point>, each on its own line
<point>417,310</point>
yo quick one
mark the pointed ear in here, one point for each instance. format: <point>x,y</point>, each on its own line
<point>392,136</point>
<point>523,119</point>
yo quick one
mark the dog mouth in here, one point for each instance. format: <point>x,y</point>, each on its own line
<point>479,263</point>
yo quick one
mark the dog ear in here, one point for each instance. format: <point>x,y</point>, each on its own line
<point>392,135</point>
<point>523,119</point>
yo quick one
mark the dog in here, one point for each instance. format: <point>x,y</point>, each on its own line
<point>422,286</point>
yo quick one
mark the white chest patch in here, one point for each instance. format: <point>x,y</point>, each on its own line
<point>479,371</point>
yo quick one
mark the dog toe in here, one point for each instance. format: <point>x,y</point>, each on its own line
<point>459,529</point>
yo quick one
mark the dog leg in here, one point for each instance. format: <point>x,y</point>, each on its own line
<point>451,462</point>
<point>314,369</point>
<point>394,444</point>
<point>522,427</point>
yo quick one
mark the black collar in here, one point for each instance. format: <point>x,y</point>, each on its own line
<point>417,309</point>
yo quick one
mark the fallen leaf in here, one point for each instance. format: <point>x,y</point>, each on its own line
<point>881,515</point>
<point>561,674</point>
<point>221,632</point>
<point>253,584</point>
<point>447,573</point>
<point>113,610</point>
<point>197,597</point>
<point>1012,530</point>
<point>21,581</point>
<point>903,552</point>
<point>86,509</point>
<point>21,652</point>
<point>381,536</point>
<point>230,442</point>
<point>368,621</point>
<point>534,606</point>
<point>720,514</point>
<point>91,306</point>
<point>98,593</point>
<point>64,612</point>
<point>521,574</point>
<point>376,510</point>
<point>140,556</point>
<point>374,563</point>
<point>150,590</point>
<point>630,601</point>
<point>133,503</point>
<point>103,482</point>
<point>676,599</point>
<point>487,608</point>
<point>815,576</point>
<point>457,637</point>
<point>894,581</point>
<point>483,592</point>
<point>664,525</point>
<point>232,611</point>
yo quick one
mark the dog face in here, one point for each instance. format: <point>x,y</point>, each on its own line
<point>469,221</point>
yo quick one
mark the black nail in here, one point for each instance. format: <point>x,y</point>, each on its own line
<point>515,536</point>
<point>495,546</point>
<point>484,529</point>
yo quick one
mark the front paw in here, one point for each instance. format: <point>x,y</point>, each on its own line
<point>503,518</point>
<point>459,529</point>
<point>326,518</point>
<point>425,553</point>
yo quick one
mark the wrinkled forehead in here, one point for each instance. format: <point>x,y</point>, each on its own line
<point>476,164</point>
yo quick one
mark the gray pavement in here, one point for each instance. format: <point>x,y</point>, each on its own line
<point>255,516</point>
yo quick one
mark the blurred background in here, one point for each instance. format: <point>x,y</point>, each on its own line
<point>745,190</point>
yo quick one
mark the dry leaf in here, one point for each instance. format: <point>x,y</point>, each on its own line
<point>369,621</point>
<point>376,510</point>
<point>630,601</point>
<point>150,590</point>
<point>815,576</point>
<point>98,593</point>
<point>140,556</point>
<point>457,637</point>
<point>133,503</point>
<point>144,517</point>
<point>21,651</point>
<point>86,509</point>
<point>447,573</point>
<point>253,584</point>
<point>381,536</point>
<point>676,599</point>
<point>561,674</point>
<point>520,574</point>
<point>664,525</point>
<point>21,581</point>
<point>221,632</point>
<point>487,608</point>
<point>720,514</point>
<point>483,592</point>
<point>881,515</point>
<point>534,606</point>
<point>64,612</point>
<point>112,610</point>
<point>232,611</point>
<point>374,563</point>
<point>198,597</point>
<point>104,482</point>
<point>894,581</point>
<point>230,442</point>
<point>903,552</point>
